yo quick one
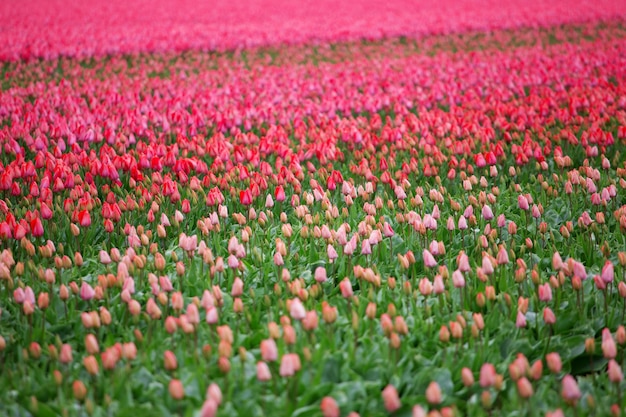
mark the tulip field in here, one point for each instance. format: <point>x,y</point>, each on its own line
<point>326,209</point>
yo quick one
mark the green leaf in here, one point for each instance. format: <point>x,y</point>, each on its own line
<point>582,365</point>
<point>331,371</point>
<point>307,411</point>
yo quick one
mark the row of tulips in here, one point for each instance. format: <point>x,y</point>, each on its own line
<point>50,28</point>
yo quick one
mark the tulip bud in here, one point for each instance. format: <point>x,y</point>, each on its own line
<point>467,377</point>
<point>79,389</point>
<point>176,389</point>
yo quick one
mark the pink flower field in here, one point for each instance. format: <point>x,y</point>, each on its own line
<point>312,209</point>
<point>52,28</point>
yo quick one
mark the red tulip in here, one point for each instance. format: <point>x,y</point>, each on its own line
<point>84,219</point>
<point>279,193</point>
<point>245,197</point>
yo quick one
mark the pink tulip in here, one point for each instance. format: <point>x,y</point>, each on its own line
<point>350,246</point>
<point>548,316</point>
<point>554,362</point>
<point>524,387</point>
<point>535,211</point>
<point>387,230</point>
<point>429,222</point>
<point>557,262</point>
<point>209,409</point>
<point>545,292</point>
<point>237,289</point>
<point>166,284</point>
<point>457,279</point>
<point>608,272</point>
<point>425,287</point>
<point>289,365</point>
<point>366,248</point>
<point>429,259</point>
<point>214,393</point>
<point>615,372</point>
<point>329,407</point>
<point>609,349</point>
<point>487,213</point>
<point>346,288</point>
<point>86,291</point>
<point>269,350</point>
<point>418,411</point>
<point>503,257</point>
<point>569,389</point>
<point>467,377</point>
<point>263,372</point>
<point>487,266</point>
<point>212,316</point>
<point>176,389</point>
<point>462,224</point>
<point>391,399</point>
<point>522,202</point>
<point>331,253</point>
<point>579,270</point>
<point>438,285</point>
<point>487,375</point>
<point>433,393</point>
<point>105,259</point>
<point>501,222</point>
<point>192,313</point>
<point>296,309</point>
<point>463,262</point>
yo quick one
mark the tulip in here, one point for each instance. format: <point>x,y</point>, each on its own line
<point>176,389</point>
<point>86,291</point>
<point>429,259</point>
<point>209,409</point>
<point>615,372</point>
<point>467,377</point>
<point>609,348</point>
<point>457,279</point>
<point>297,310</point>
<point>487,213</point>
<point>438,285</point>
<point>289,365</point>
<point>391,399</point>
<point>79,389</point>
<point>329,407</point>
<point>84,219</point>
<point>320,274</point>
<point>554,362</point>
<point>310,321</point>
<point>569,389</point>
<point>433,393</point>
<point>545,292</point>
<point>607,272</point>
<point>345,286</point>
<point>91,364</point>
<point>269,350</point>
<point>91,344</point>
<point>263,371</point>
<point>524,388</point>
<point>487,375</point>
<point>169,359</point>
<point>548,316</point>
<point>214,393</point>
